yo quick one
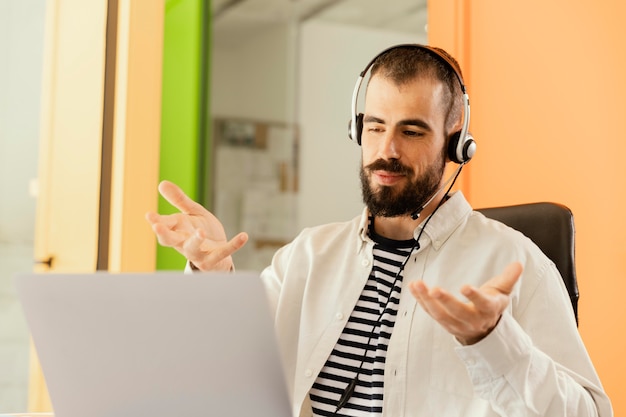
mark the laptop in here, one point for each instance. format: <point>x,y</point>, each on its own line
<point>158,344</point>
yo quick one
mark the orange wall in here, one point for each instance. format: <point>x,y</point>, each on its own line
<point>547,83</point>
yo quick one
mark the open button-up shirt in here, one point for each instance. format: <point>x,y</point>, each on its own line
<point>533,363</point>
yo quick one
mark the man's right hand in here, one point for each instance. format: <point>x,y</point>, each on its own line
<point>194,232</point>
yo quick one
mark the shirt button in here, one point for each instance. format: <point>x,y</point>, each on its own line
<point>339,316</point>
<point>365,262</point>
<point>308,373</point>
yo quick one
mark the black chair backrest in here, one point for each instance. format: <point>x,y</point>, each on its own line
<point>551,227</point>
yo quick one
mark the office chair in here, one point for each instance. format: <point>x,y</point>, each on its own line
<point>551,227</point>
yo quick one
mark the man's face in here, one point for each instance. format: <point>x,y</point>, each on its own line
<point>403,145</point>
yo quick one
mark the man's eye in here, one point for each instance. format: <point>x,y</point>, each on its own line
<point>374,129</point>
<point>413,133</point>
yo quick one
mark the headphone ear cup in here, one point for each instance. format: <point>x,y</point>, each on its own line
<point>453,143</point>
<point>359,128</point>
<point>467,148</point>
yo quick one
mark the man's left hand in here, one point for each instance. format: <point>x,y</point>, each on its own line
<point>469,321</point>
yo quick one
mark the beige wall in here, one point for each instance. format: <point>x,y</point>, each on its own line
<point>66,226</point>
<point>546,82</point>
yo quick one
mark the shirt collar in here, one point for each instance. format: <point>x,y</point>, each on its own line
<point>443,223</point>
<point>445,220</point>
<point>363,226</point>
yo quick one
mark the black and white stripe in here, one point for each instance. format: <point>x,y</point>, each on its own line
<point>362,347</point>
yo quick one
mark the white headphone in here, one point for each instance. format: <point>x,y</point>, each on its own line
<point>461,144</point>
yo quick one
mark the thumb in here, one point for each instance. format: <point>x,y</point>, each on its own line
<point>505,282</point>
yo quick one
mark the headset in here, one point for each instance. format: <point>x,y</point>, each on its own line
<point>461,144</point>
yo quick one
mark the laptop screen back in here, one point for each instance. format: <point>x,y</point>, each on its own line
<point>161,344</point>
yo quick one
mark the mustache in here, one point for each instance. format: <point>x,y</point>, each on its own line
<point>392,165</point>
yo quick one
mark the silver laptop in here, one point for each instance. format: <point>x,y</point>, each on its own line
<point>162,344</point>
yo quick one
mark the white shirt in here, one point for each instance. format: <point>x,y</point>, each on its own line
<point>532,364</point>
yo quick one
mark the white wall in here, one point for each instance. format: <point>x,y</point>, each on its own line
<point>248,79</point>
<point>21,55</point>
<point>331,58</point>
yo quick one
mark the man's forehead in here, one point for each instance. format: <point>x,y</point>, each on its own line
<point>428,86</point>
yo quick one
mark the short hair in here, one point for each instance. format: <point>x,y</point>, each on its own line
<point>405,63</point>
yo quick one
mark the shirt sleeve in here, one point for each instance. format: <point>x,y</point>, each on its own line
<point>518,379</point>
<point>189,268</point>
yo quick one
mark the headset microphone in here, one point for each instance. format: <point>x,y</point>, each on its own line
<point>416,214</point>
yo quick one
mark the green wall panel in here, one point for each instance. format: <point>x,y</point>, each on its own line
<point>184,118</point>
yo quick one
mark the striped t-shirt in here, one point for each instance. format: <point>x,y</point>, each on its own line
<point>362,346</point>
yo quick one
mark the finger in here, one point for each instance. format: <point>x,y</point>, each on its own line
<point>437,299</point>
<point>434,301</point>
<point>215,254</point>
<point>176,197</point>
<point>152,217</point>
<point>231,246</point>
<point>505,282</point>
<point>236,242</point>
<point>171,229</point>
<point>168,220</point>
<point>167,236</point>
<point>199,248</point>
<point>192,247</point>
<point>495,292</point>
<point>419,290</point>
<point>509,278</point>
<point>453,306</point>
<point>483,301</point>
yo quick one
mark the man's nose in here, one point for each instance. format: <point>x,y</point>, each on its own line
<point>388,146</point>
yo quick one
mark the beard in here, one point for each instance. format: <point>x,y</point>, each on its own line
<point>390,202</point>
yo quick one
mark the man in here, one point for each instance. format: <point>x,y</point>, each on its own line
<point>420,306</point>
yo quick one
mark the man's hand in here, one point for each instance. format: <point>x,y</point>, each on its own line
<point>194,232</point>
<point>469,321</point>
